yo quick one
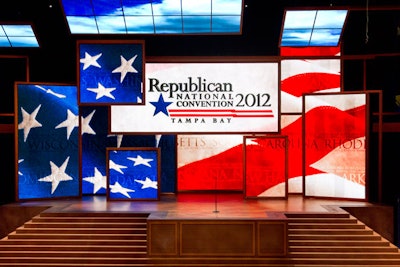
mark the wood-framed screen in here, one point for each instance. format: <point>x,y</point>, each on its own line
<point>204,97</point>
<point>334,145</point>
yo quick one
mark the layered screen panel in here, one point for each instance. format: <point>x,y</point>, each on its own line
<point>313,27</point>
<point>17,36</point>
<point>48,154</point>
<point>204,98</point>
<point>334,145</point>
<point>153,16</point>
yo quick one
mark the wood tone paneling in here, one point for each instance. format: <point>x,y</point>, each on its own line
<point>162,238</point>
<point>218,238</point>
<point>272,238</point>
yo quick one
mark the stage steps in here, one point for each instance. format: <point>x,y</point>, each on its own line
<point>120,239</point>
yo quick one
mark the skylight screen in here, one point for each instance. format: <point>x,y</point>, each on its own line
<point>139,24</point>
<point>313,27</point>
<point>82,25</point>
<point>225,24</point>
<point>18,41</point>
<point>325,37</point>
<point>165,12</point>
<point>330,19</point>
<point>227,7</point>
<point>107,7</point>
<point>4,42</point>
<point>196,7</point>
<point>196,24</point>
<point>167,8</point>
<point>133,8</point>
<point>77,7</point>
<point>111,24</point>
<point>168,24</point>
<point>17,36</point>
<point>299,19</point>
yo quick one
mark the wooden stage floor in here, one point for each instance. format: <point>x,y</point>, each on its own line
<point>200,205</point>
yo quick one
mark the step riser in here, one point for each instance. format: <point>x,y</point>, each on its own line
<point>82,254</point>
<point>338,243</point>
<point>88,220</point>
<point>88,231</point>
<point>330,232</point>
<point>325,226</point>
<point>28,249</point>
<point>78,237</point>
<point>82,242</point>
<point>85,225</point>
<point>351,249</point>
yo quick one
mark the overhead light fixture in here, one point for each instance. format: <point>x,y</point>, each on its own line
<point>153,16</point>
<point>304,28</point>
<point>17,36</point>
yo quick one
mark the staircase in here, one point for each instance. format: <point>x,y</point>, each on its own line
<point>119,239</point>
<point>77,239</point>
<point>337,239</point>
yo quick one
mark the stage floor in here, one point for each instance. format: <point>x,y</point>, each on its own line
<point>200,205</point>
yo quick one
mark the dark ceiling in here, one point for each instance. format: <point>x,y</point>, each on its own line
<point>55,60</point>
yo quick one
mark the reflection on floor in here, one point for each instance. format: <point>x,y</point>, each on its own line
<point>219,205</point>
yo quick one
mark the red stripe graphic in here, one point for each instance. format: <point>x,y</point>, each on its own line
<point>309,83</point>
<point>220,113</point>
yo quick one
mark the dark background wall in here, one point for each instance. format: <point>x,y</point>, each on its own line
<point>370,54</point>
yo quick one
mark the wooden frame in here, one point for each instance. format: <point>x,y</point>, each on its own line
<point>133,173</point>
<point>47,155</point>
<point>111,72</point>
<point>335,151</point>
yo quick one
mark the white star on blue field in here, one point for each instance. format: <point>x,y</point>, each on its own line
<point>111,73</point>
<point>139,180</point>
<point>47,141</point>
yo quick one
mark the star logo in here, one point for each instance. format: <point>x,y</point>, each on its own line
<point>161,106</point>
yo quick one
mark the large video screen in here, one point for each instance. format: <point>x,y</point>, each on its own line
<point>335,145</point>
<point>204,98</point>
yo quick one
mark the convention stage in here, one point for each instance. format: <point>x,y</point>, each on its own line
<point>180,224</point>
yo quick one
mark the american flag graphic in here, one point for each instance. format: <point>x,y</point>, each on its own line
<point>197,174</point>
<point>335,145</point>
<point>111,73</point>
<point>95,140</point>
<point>133,174</point>
<point>210,162</point>
<point>265,166</point>
<point>307,76</point>
<point>48,154</point>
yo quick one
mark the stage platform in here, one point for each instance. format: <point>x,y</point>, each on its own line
<point>198,205</point>
<point>199,225</point>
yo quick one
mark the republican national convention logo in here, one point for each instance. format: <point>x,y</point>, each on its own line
<point>204,98</point>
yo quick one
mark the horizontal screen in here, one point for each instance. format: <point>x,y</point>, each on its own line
<point>204,98</point>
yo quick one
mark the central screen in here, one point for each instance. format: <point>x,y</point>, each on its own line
<point>203,98</point>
